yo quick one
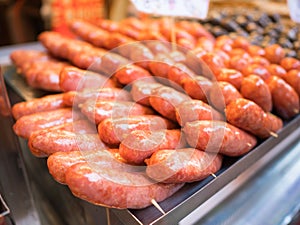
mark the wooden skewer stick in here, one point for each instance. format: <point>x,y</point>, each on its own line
<point>154,202</point>
<point>273,134</point>
<point>249,144</point>
<point>107,216</point>
<point>214,175</point>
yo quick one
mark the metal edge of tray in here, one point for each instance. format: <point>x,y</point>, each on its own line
<point>206,191</point>
<point>191,195</point>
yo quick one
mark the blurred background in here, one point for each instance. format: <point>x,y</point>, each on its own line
<point>22,20</point>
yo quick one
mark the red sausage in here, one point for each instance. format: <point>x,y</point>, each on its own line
<point>41,120</point>
<point>182,165</point>
<point>178,73</point>
<point>293,79</point>
<point>256,69</point>
<point>231,76</point>
<point>285,99</point>
<point>218,137</point>
<point>113,131</point>
<point>141,90</point>
<point>141,144</point>
<point>46,103</point>
<point>289,63</point>
<point>255,89</point>
<point>127,190</point>
<point>58,163</point>
<point>192,110</point>
<point>247,115</point>
<point>97,111</point>
<point>274,53</point>
<point>165,99</point>
<point>74,98</point>
<point>197,87</point>
<point>130,73</point>
<point>47,143</point>
<point>221,94</point>
<point>276,70</point>
<point>72,79</point>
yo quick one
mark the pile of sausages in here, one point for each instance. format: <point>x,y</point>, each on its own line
<point>137,117</point>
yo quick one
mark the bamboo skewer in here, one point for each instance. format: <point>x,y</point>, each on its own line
<point>154,202</point>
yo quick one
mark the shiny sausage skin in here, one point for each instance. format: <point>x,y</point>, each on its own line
<point>128,190</point>
<point>218,137</point>
<point>293,79</point>
<point>130,73</point>
<point>221,94</point>
<point>44,75</point>
<point>274,53</point>
<point>112,62</point>
<point>256,69</point>
<point>289,63</point>
<point>97,111</point>
<point>58,163</point>
<point>113,131</point>
<point>72,79</point>
<point>81,126</point>
<point>255,89</point>
<point>45,144</point>
<point>46,103</point>
<point>90,33</point>
<point>137,52</point>
<point>197,87</point>
<point>41,120</point>
<point>178,73</point>
<point>247,115</point>
<point>142,89</point>
<point>284,97</point>
<point>231,76</point>
<point>161,65</point>
<point>192,110</point>
<point>22,58</point>
<point>182,165</point>
<point>141,144</point>
<point>165,99</point>
<point>74,98</point>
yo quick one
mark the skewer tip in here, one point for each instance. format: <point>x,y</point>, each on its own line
<point>214,175</point>
<point>154,202</point>
<point>273,134</point>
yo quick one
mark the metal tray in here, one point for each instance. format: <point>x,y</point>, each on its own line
<point>191,195</point>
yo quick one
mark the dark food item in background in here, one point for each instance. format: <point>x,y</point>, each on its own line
<point>259,27</point>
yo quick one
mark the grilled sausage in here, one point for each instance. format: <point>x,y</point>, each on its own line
<point>97,111</point>
<point>165,99</point>
<point>247,115</point>
<point>254,88</point>
<point>141,144</point>
<point>130,73</point>
<point>46,103</point>
<point>43,144</point>
<point>192,110</point>
<point>142,89</point>
<point>182,165</point>
<point>218,137</point>
<point>41,120</point>
<point>72,79</point>
<point>127,190</point>
<point>284,97</point>
<point>221,94</point>
<point>74,98</point>
<point>197,87</point>
<point>58,163</point>
<point>113,131</point>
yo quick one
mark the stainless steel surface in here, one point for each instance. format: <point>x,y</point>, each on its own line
<point>14,185</point>
<point>269,186</point>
